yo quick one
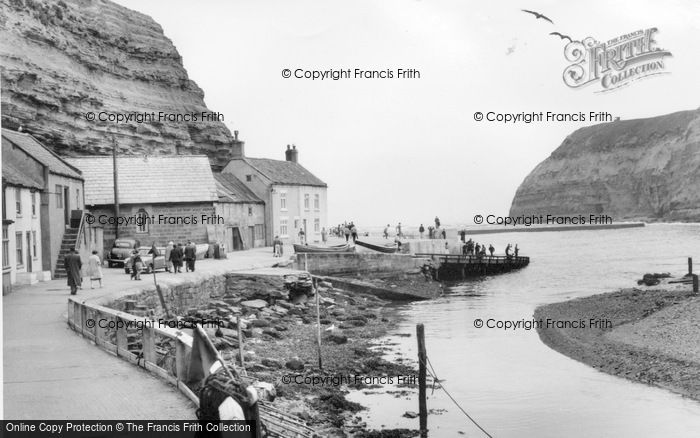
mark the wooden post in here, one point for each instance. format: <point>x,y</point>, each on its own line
<point>149,346</point>
<point>690,265</point>
<point>695,283</point>
<point>422,407</point>
<point>318,324</point>
<point>161,298</point>
<point>240,345</point>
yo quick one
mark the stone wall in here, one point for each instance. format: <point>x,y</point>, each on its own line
<point>353,263</point>
<point>231,288</point>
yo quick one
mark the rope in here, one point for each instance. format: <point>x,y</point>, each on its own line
<point>435,378</point>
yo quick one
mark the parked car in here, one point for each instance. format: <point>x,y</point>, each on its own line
<point>148,264</point>
<point>121,250</point>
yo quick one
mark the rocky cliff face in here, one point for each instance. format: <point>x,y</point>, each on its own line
<point>63,59</point>
<point>646,169</point>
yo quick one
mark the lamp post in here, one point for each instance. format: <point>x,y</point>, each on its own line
<point>116,187</point>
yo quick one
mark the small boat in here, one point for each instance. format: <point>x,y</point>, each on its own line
<point>387,249</point>
<point>301,249</point>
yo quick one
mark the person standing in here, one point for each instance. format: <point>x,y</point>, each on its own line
<point>176,258</point>
<point>353,232</point>
<point>94,269</point>
<point>398,230</point>
<point>444,234</point>
<point>302,236</point>
<point>421,230</point>
<point>136,265</point>
<point>190,255</point>
<point>477,248</point>
<point>324,235</point>
<point>437,222</point>
<point>168,251</point>
<point>277,247</point>
<point>491,249</point>
<point>508,248</point>
<point>386,231</point>
<point>72,264</point>
<point>516,250</point>
<point>463,235</point>
<point>346,231</point>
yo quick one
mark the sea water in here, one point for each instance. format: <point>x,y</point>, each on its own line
<point>508,380</point>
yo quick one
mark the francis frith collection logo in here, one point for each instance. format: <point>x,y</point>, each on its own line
<point>616,62</point>
<point>612,64</point>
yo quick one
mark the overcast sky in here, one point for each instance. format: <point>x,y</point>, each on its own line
<point>407,150</point>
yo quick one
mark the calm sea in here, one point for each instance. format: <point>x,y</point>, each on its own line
<point>509,381</point>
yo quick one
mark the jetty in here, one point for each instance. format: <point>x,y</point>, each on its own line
<point>458,267</point>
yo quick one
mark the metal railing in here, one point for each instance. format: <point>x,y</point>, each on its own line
<point>476,259</point>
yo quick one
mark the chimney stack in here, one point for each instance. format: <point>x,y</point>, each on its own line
<point>237,147</point>
<point>291,154</point>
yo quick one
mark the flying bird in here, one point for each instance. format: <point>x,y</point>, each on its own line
<point>562,36</point>
<point>537,15</point>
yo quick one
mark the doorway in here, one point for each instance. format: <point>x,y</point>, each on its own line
<point>236,242</point>
<point>66,206</point>
<point>29,251</point>
<point>251,230</point>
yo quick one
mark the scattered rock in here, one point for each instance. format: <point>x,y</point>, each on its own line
<point>260,323</point>
<point>337,338</point>
<point>254,304</point>
<point>410,414</point>
<point>295,364</point>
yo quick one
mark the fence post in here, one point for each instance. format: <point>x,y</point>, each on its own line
<point>149,345</point>
<point>422,407</point>
<point>690,266</point>
<point>695,283</point>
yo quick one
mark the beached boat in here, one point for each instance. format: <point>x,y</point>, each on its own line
<point>387,249</point>
<point>301,249</point>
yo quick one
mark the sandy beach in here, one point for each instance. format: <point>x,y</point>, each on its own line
<point>653,336</point>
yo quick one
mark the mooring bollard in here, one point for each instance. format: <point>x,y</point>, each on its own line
<point>695,283</point>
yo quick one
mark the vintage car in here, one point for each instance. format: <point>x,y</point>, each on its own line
<point>121,250</point>
<point>148,264</point>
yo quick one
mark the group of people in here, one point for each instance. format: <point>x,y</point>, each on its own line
<point>347,230</point>
<point>474,248</point>
<point>73,265</point>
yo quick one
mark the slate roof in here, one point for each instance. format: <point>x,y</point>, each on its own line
<point>147,180</point>
<point>232,190</point>
<point>15,177</point>
<point>285,172</point>
<point>38,151</point>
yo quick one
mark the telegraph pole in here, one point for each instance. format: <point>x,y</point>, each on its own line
<point>116,188</point>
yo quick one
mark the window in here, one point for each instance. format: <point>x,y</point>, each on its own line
<point>249,178</point>
<point>317,202</point>
<point>259,232</point>
<point>306,201</point>
<point>142,220</point>
<point>18,245</point>
<point>33,203</point>
<point>283,200</point>
<point>283,227</point>
<point>59,196</point>
<point>18,201</point>
<point>317,225</point>
<point>34,244</point>
<point>5,247</point>
<point>250,211</point>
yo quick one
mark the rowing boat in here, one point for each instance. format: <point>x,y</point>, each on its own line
<point>387,249</point>
<point>301,249</point>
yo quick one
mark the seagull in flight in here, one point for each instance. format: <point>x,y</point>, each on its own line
<point>562,36</point>
<point>537,15</point>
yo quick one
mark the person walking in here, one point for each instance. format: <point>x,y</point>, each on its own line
<point>324,235</point>
<point>421,230</point>
<point>169,250</point>
<point>136,265</point>
<point>190,255</point>
<point>73,264</point>
<point>94,269</point>
<point>277,247</point>
<point>176,258</point>
<point>346,231</point>
<point>353,232</point>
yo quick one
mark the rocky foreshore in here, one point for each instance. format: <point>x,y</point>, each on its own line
<point>646,335</point>
<point>280,346</point>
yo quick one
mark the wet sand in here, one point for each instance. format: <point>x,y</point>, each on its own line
<point>653,335</point>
